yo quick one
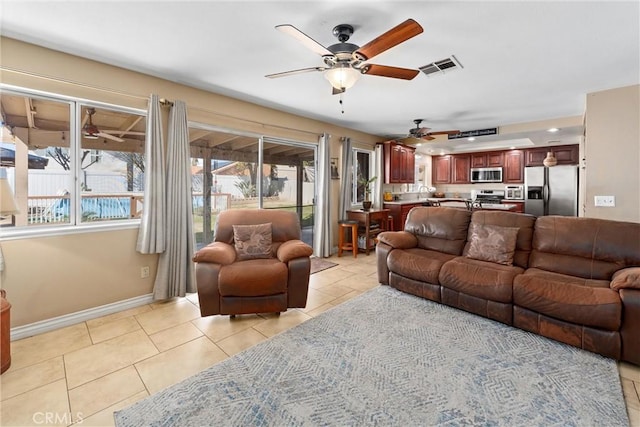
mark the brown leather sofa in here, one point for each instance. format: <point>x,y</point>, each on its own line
<point>267,283</point>
<point>575,280</point>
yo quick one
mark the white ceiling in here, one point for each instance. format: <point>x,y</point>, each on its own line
<point>523,61</point>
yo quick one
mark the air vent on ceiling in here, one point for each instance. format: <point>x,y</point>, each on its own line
<point>447,64</point>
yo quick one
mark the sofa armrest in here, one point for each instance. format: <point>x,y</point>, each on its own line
<point>627,278</point>
<point>398,239</point>
<point>293,249</point>
<point>216,253</point>
<point>630,329</point>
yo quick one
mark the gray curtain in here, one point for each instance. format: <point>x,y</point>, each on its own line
<point>322,231</point>
<point>346,181</point>
<point>378,171</point>
<point>151,234</point>
<point>176,273</point>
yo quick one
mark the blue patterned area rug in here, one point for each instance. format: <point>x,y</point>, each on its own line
<point>388,358</point>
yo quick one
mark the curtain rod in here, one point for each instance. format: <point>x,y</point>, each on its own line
<point>163,101</point>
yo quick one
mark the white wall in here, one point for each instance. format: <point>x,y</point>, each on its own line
<point>612,153</point>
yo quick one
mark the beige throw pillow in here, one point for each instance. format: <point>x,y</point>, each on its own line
<point>252,241</point>
<point>492,243</point>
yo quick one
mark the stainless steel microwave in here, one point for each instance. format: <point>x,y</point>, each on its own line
<point>486,174</point>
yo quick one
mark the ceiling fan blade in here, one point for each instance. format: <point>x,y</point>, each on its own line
<point>428,137</point>
<point>445,132</point>
<point>292,72</point>
<point>387,71</point>
<point>111,137</point>
<point>304,39</point>
<point>391,38</point>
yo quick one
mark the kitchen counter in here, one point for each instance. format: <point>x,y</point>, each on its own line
<point>423,200</point>
<point>485,206</point>
<point>452,202</point>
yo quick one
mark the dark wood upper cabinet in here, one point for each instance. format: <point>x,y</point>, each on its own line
<point>460,169</point>
<point>441,170</point>
<point>456,169</point>
<point>484,160</point>
<point>399,163</point>
<point>495,159</point>
<point>566,155</point>
<point>513,172</point>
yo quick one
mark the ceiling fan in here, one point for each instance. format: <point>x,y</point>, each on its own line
<point>346,61</point>
<point>424,133</point>
<point>91,131</point>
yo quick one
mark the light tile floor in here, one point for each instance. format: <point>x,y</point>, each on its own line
<point>83,373</point>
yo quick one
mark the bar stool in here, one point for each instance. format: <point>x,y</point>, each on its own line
<point>348,246</point>
<point>390,223</point>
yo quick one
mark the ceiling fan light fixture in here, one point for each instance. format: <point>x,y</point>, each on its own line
<point>342,77</point>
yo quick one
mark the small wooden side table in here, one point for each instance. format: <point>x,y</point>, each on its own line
<point>365,218</point>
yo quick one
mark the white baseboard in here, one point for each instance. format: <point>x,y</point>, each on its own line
<point>35,328</point>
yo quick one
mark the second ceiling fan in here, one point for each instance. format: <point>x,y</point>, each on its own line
<point>345,62</point>
<point>426,134</point>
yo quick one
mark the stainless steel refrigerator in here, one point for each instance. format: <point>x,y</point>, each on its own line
<point>551,191</point>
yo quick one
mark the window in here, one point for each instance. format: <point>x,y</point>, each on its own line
<point>71,162</point>
<point>362,171</point>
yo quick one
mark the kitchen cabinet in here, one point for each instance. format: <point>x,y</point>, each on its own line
<point>441,167</point>
<point>399,212</point>
<point>461,169</point>
<point>566,155</point>
<point>513,172</point>
<point>487,160</point>
<point>399,163</point>
<point>519,205</point>
<point>451,169</point>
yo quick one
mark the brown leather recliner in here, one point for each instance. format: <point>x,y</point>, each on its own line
<point>279,280</point>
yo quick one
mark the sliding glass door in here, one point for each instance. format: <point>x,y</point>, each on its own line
<point>288,180</point>
<point>239,171</point>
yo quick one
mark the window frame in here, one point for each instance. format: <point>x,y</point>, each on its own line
<point>75,225</point>
<point>354,173</point>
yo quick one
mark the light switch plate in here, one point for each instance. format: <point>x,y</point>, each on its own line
<point>606,201</point>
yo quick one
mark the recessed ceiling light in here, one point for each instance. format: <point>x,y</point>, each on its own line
<point>418,144</point>
<point>553,130</point>
<point>471,139</point>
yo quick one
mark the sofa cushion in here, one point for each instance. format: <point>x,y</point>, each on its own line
<point>240,279</point>
<point>572,299</point>
<point>525,224</point>
<point>439,229</point>
<point>252,241</point>
<point>417,264</point>
<point>480,279</point>
<point>590,248</point>
<point>492,243</point>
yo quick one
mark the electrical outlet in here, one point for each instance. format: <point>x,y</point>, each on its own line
<point>144,272</point>
<point>607,201</point>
